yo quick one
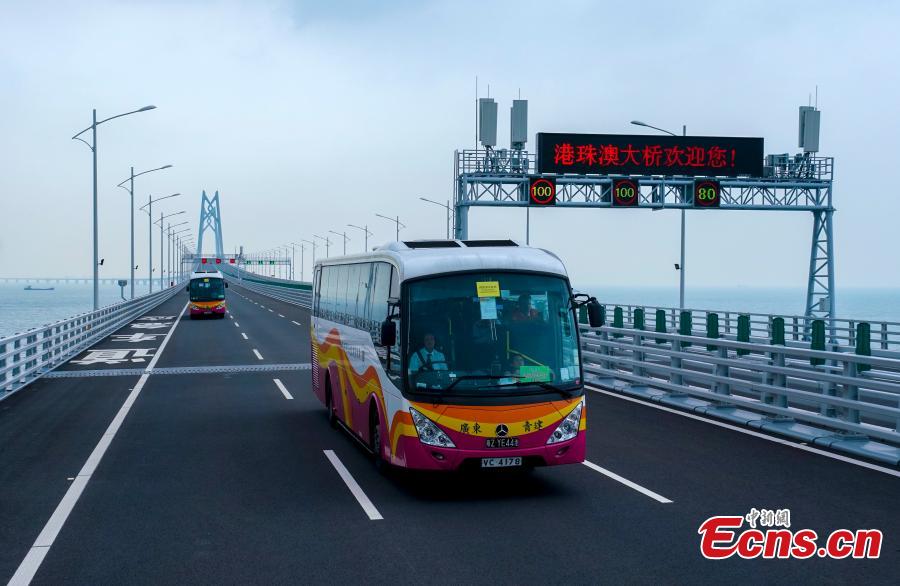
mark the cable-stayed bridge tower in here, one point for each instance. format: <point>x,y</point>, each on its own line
<point>210,218</point>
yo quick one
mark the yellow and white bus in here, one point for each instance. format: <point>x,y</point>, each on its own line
<point>451,354</point>
<point>206,291</point>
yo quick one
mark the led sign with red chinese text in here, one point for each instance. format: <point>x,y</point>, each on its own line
<point>542,191</point>
<point>641,154</point>
<point>707,193</point>
<point>625,193</point>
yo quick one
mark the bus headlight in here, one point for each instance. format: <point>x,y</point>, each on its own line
<point>429,433</point>
<point>569,426</point>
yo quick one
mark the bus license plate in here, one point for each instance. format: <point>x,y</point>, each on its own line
<point>500,462</point>
<point>501,442</point>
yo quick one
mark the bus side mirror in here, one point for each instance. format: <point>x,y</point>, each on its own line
<point>388,333</point>
<point>188,288</point>
<point>226,284</point>
<point>595,313</point>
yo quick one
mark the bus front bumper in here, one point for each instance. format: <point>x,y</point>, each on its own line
<point>412,453</point>
<point>206,310</point>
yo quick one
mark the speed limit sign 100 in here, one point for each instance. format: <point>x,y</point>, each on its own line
<point>542,191</point>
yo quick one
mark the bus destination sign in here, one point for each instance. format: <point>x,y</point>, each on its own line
<point>641,154</point>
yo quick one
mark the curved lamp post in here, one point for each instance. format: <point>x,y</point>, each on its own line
<point>93,146</point>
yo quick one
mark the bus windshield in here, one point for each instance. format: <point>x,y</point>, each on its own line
<point>207,289</point>
<point>491,334</point>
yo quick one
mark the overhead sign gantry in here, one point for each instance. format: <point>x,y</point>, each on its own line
<point>659,172</point>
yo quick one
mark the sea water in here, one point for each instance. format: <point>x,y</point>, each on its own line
<point>21,310</point>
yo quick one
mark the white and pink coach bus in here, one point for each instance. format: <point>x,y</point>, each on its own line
<point>451,354</point>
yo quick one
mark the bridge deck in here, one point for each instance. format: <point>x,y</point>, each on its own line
<point>219,477</point>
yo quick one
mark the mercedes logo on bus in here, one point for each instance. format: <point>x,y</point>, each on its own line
<point>542,190</point>
<point>502,430</point>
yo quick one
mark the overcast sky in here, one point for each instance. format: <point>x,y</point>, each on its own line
<point>307,116</point>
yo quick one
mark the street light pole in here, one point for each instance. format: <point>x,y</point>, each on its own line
<point>365,230</point>
<point>302,250</point>
<point>681,265</point>
<point>313,242</point>
<point>344,236</point>
<point>446,206</point>
<point>130,191</point>
<point>327,244</point>
<point>396,221</point>
<point>173,245</point>
<point>149,212</point>
<point>93,147</point>
<point>162,263</point>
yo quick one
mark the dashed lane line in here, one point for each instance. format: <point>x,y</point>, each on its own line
<point>295,323</point>
<point>35,556</point>
<point>243,335</point>
<point>633,485</point>
<point>258,355</point>
<point>279,315</point>
<point>283,389</point>
<point>354,487</point>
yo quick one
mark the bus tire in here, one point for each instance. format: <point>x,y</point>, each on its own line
<point>329,403</point>
<point>375,440</point>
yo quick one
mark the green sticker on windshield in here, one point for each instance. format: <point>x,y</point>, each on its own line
<point>530,374</point>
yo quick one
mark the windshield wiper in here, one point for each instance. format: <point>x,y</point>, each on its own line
<point>473,377</point>
<point>544,385</point>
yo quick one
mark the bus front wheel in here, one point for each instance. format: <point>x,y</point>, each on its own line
<point>375,440</point>
<point>329,403</point>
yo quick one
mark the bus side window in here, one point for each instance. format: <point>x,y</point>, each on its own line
<point>353,286</point>
<point>380,291</point>
<point>317,282</point>
<point>330,281</point>
<point>364,311</point>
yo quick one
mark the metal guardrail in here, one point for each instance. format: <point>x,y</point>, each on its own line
<point>27,356</point>
<point>885,334</point>
<point>295,292</point>
<point>836,399</point>
<point>840,400</point>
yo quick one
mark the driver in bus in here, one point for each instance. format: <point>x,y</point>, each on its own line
<point>523,311</point>
<point>516,362</point>
<point>427,357</point>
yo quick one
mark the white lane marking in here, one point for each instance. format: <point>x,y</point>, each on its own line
<point>645,491</point>
<point>361,497</point>
<point>243,335</point>
<point>237,325</point>
<point>282,388</point>
<point>776,440</point>
<point>35,556</point>
<point>258,355</point>
<point>279,315</point>
<point>295,323</point>
<point>230,316</point>
<point>270,311</point>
